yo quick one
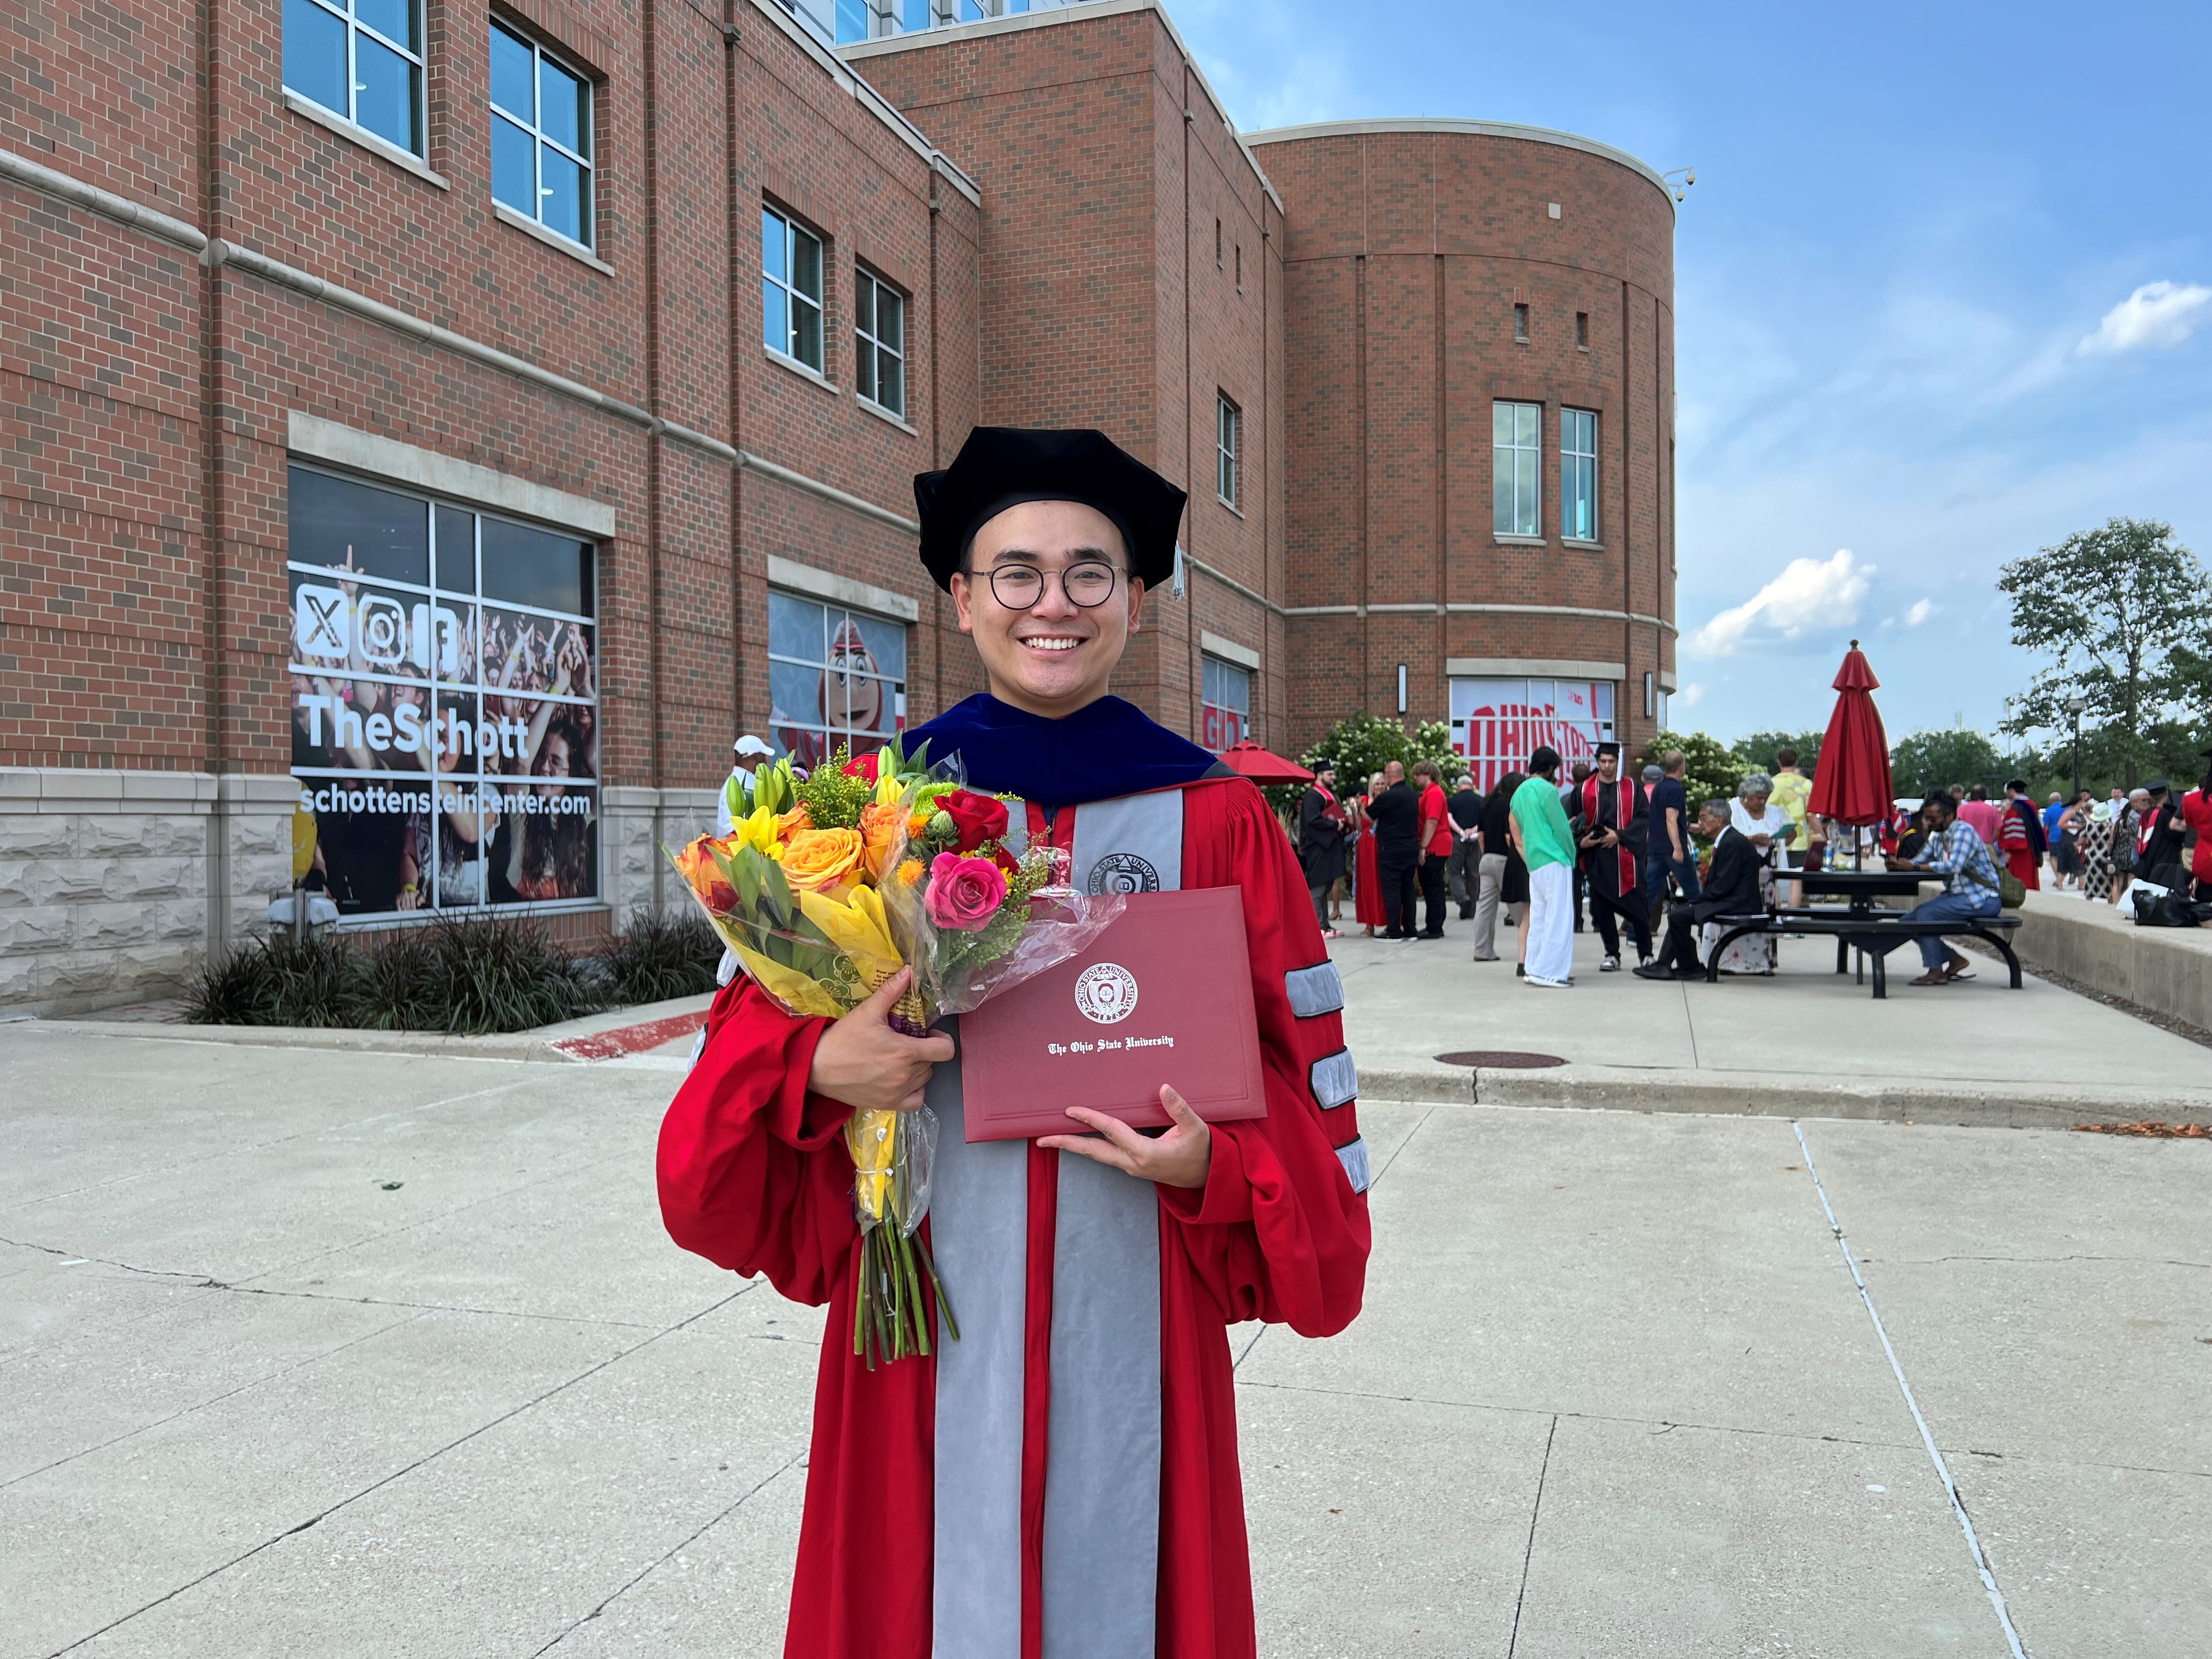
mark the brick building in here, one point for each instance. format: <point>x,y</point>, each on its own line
<point>430,440</point>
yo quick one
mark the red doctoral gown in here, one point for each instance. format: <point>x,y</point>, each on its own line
<point>754,1176</point>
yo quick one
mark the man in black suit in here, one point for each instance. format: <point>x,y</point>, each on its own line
<point>1396,815</point>
<point>1731,889</point>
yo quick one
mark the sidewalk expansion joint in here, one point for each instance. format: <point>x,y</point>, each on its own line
<point>1926,1435</point>
<point>1528,1551</point>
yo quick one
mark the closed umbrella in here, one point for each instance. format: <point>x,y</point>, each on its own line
<point>1263,765</point>
<point>1851,784</point>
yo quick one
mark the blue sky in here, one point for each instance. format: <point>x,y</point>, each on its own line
<point>1920,324</point>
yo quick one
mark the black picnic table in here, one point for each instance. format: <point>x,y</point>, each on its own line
<point>1859,923</point>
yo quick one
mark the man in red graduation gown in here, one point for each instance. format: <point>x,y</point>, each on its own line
<point>1062,1479</point>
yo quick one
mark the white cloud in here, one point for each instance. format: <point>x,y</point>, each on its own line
<point>1809,594</point>
<point>2157,314</point>
<point>1691,694</point>
<point>1919,612</point>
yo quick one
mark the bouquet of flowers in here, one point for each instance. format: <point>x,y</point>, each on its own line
<point>829,885</point>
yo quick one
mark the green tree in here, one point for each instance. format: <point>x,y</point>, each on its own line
<point>1928,762</point>
<point>1756,752</point>
<point>1712,771</point>
<point>2108,607</point>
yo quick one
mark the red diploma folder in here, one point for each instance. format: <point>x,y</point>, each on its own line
<point>1164,996</point>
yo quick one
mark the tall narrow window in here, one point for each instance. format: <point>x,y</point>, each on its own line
<point>1240,267</point>
<point>541,136</point>
<point>1581,329</point>
<point>1228,433</point>
<point>360,59</point>
<point>1578,474</point>
<point>790,289</point>
<point>1516,435</point>
<point>1217,244</point>
<point>1521,324</point>
<point>879,338</point>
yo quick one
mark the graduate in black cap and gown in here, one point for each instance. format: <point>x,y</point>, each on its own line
<point>1612,827</point>
<point>1062,1478</point>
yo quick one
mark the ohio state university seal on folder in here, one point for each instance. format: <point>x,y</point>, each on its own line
<point>1162,996</point>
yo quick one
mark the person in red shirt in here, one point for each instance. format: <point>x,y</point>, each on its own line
<point>2196,813</point>
<point>1435,841</point>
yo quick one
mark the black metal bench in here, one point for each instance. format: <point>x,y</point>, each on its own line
<point>1854,931</point>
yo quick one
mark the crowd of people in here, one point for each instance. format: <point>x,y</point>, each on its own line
<point>1636,860</point>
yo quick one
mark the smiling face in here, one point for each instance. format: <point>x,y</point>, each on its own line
<point>1055,656</point>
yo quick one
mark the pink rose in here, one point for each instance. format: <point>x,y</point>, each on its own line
<point>964,893</point>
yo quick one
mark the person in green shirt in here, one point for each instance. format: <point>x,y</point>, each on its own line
<point>1792,788</point>
<point>1546,845</point>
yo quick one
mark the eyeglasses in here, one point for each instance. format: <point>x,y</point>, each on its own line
<point>1088,583</point>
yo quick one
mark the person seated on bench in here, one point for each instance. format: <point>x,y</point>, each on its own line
<point>1731,889</point>
<point>1955,851</point>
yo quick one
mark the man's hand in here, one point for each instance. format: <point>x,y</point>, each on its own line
<point>1180,1158</point>
<point>866,1064</point>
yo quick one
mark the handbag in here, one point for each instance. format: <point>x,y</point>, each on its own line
<point>2012,891</point>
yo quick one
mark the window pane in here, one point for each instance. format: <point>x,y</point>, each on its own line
<point>1501,423</point>
<point>546,846</point>
<point>529,567</point>
<point>775,319</point>
<point>565,192</point>
<point>852,22</point>
<point>1524,424</point>
<point>890,318</point>
<point>807,264</point>
<point>457,550</point>
<point>864,365</point>
<point>386,102</point>
<point>512,180</point>
<point>1524,492</point>
<point>1501,469</point>
<point>773,236</point>
<point>510,74</point>
<point>891,383</point>
<point>915,15</point>
<point>794,629</point>
<point>806,333</point>
<point>864,302</point>
<point>882,643</point>
<point>314,54</point>
<point>565,106</point>
<point>392,18</point>
<point>336,523</point>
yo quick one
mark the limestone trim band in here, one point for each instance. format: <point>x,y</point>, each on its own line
<point>104,202</point>
<point>1431,609</point>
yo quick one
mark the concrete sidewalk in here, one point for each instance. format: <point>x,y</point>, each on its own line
<point>1807,1040</point>
<point>310,1352</point>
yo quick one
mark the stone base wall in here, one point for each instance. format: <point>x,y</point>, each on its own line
<point>634,825</point>
<point>115,886</point>
<point>2166,969</point>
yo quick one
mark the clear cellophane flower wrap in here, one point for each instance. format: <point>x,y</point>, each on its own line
<point>827,886</point>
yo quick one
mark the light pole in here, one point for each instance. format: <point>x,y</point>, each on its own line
<point>2075,705</point>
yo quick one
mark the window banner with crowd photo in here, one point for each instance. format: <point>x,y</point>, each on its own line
<point>444,703</point>
<point>1497,724</point>
<point>834,676</point>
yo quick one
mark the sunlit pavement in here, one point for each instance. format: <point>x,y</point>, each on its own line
<point>370,1353</point>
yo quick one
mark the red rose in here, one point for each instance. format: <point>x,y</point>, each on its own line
<point>862,766</point>
<point>978,818</point>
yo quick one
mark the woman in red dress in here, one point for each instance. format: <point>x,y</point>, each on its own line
<point>1367,881</point>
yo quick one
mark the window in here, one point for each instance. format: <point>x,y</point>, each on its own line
<point>1581,329</point>
<point>1651,694</point>
<point>361,59</point>
<point>1226,708</point>
<point>790,289</point>
<point>445,702</point>
<point>541,136</point>
<point>1217,244</point>
<point>1497,724</point>
<point>1521,324</point>
<point>1515,434</point>
<point>879,338</point>
<point>833,677</point>
<point>1578,474</point>
<point>1228,431</point>
<point>1240,267</point>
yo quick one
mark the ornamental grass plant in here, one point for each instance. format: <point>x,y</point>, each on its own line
<point>471,976</point>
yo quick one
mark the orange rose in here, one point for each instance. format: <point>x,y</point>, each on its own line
<point>881,828</point>
<point>817,860</point>
<point>697,862</point>
<point>790,823</point>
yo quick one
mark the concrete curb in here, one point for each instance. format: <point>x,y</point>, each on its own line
<point>2167,970</point>
<point>1973,1102</point>
<point>537,1045</point>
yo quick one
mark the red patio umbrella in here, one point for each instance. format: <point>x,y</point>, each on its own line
<point>1263,765</point>
<point>1852,783</point>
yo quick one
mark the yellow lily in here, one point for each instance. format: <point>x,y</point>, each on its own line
<point>757,829</point>
<point>858,928</point>
<point>800,993</point>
